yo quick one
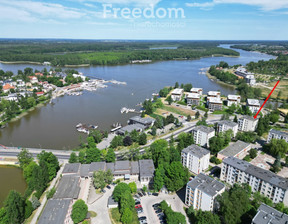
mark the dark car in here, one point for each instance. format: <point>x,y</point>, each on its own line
<point>144,193</point>
<point>156,205</point>
<point>137,203</point>
<point>141,195</point>
<point>103,191</point>
<point>108,186</point>
<point>155,194</point>
<point>142,218</point>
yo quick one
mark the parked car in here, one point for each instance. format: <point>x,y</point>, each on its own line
<point>103,191</point>
<point>156,205</point>
<point>108,186</point>
<point>149,193</point>
<point>141,195</point>
<point>137,196</point>
<point>142,218</point>
<point>138,206</point>
<point>155,194</point>
<point>144,193</point>
<point>137,203</point>
<point>139,210</point>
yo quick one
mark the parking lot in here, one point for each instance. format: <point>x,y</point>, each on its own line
<point>148,201</point>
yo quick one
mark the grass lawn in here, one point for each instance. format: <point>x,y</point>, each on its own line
<point>178,110</point>
<point>115,216</point>
<point>281,86</point>
<point>219,112</point>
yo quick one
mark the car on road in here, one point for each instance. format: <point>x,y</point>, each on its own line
<point>155,194</point>
<point>108,186</point>
<point>103,191</point>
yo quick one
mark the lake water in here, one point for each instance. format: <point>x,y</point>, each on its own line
<point>53,126</point>
<point>11,179</point>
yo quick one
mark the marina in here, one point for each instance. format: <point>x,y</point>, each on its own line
<point>85,128</point>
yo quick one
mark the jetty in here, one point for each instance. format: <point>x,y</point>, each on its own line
<point>126,110</point>
<point>85,128</point>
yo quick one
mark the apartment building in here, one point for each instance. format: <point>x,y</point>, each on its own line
<point>214,94</point>
<point>253,105</point>
<point>226,125</point>
<point>197,90</point>
<point>214,103</point>
<point>275,134</point>
<point>201,192</point>
<point>233,99</point>
<point>237,149</point>
<point>177,94</point>
<point>247,123</point>
<point>193,98</point>
<point>268,215</point>
<point>202,134</point>
<point>195,158</point>
<point>267,183</point>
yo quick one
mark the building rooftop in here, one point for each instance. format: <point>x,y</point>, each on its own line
<point>249,118</point>
<point>142,120</point>
<point>206,184</point>
<point>196,89</point>
<point>85,170</point>
<point>214,100</point>
<point>177,91</point>
<point>55,211</point>
<point>234,149</point>
<point>203,129</point>
<point>276,132</point>
<point>196,151</point>
<point>96,166</point>
<point>233,97</point>
<point>228,123</point>
<point>258,172</point>
<point>122,165</point>
<point>268,215</point>
<point>131,127</point>
<point>111,201</point>
<point>213,93</point>
<point>68,187</point>
<point>146,168</point>
<point>253,102</point>
<point>193,95</point>
<point>71,168</point>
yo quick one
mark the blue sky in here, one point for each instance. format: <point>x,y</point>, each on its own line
<point>197,19</point>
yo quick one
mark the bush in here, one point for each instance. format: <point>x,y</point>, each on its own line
<point>215,160</point>
<point>28,209</point>
<point>51,193</point>
<point>79,211</point>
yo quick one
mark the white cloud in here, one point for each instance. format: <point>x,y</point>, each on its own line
<point>265,5</point>
<point>32,11</point>
<point>126,3</point>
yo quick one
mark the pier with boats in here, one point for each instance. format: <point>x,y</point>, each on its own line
<point>84,128</point>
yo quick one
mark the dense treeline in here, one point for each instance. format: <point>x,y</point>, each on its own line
<point>278,66</point>
<point>112,53</point>
<point>223,76</point>
<point>274,48</point>
<point>17,208</point>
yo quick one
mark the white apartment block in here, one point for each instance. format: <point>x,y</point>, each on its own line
<point>267,183</point>
<point>253,105</point>
<point>193,98</point>
<point>195,158</point>
<point>214,94</point>
<point>226,125</point>
<point>202,134</point>
<point>233,99</point>
<point>201,192</point>
<point>177,94</point>
<point>275,134</point>
<point>214,103</point>
<point>197,90</point>
<point>247,123</point>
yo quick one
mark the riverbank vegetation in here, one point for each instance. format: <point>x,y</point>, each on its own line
<point>106,53</point>
<point>17,208</point>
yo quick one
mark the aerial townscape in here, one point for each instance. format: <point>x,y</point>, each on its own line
<point>143,112</point>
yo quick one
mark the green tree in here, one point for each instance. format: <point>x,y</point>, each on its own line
<point>253,153</point>
<point>24,158</point>
<point>177,176</point>
<point>28,171</point>
<point>153,131</point>
<point>159,151</point>
<point>197,115</point>
<point>276,167</point>
<point>188,87</point>
<point>28,209</point>
<point>133,187</point>
<point>93,155</point>
<point>159,178</point>
<point>202,217</point>
<point>134,135</point>
<point>110,156</point>
<point>142,139</point>
<point>126,201</point>
<point>176,85</point>
<point>206,115</point>
<point>127,216</point>
<point>127,141</point>
<point>189,117</point>
<point>73,158</point>
<point>82,157</point>
<point>235,119</point>
<point>277,146</point>
<point>15,208</point>
<point>169,100</point>
<point>51,162</point>
<point>120,189</point>
<point>91,142</point>
<point>116,141</point>
<point>79,211</point>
